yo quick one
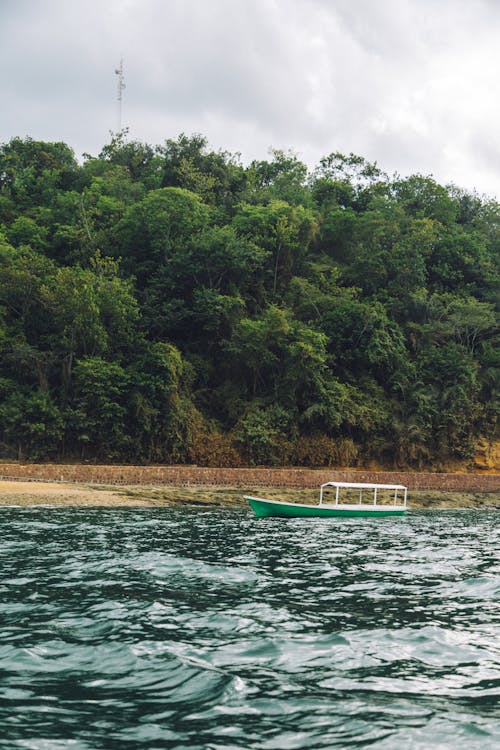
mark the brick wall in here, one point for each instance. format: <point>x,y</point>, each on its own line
<point>186,475</point>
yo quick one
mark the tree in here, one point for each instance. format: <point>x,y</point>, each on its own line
<point>168,303</point>
<point>451,375</point>
<point>283,230</point>
<point>142,162</point>
<point>261,431</point>
<point>93,312</point>
<point>25,231</point>
<point>283,178</point>
<point>423,197</point>
<point>31,172</point>
<point>471,321</point>
<point>31,425</point>
<point>217,177</point>
<point>159,226</point>
<point>362,339</point>
<point>350,168</point>
<point>282,361</point>
<point>97,416</point>
<point>163,415</point>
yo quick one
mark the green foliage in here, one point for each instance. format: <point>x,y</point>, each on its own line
<point>33,172</point>
<point>452,378</point>
<point>25,231</point>
<point>217,177</point>
<point>284,231</point>
<point>31,425</point>
<point>260,432</point>
<point>423,197</point>
<point>163,417</point>
<point>98,410</point>
<point>363,339</point>
<point>168,304</point>
<point>283,178</point>
<point>140,162</point>
<point>153,231</point>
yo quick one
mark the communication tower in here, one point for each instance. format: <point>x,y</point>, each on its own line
<point>120,87</point>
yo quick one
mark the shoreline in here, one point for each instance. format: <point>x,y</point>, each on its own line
<point>244,480</point>
<point>35,493</point>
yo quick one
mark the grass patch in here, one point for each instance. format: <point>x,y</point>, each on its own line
<point>232,497</point>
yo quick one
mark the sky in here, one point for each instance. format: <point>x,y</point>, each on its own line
<point>409,84</point>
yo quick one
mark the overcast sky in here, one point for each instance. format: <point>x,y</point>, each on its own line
<point>411,84</point>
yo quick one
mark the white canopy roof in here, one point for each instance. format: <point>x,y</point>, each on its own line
<point>365,486</point>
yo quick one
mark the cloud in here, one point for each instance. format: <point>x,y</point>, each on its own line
<point>407,83</point>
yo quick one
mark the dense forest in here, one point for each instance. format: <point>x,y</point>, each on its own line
<point>171,304</point>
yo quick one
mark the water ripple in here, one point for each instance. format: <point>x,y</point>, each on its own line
<point>162,628</point>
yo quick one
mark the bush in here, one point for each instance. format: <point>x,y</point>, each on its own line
<point>320,450</point>
<point>214,449</point>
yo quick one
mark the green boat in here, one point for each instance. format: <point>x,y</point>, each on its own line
<point>374,509</point>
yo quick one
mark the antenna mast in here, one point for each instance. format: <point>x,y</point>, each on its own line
<point>121,86</point>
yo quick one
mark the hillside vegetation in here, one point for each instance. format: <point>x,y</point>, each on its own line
<point>170,304</point>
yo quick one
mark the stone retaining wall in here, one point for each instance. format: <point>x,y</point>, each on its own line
<point>256,477</point>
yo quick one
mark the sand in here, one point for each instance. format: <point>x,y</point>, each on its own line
<point>52,493</point>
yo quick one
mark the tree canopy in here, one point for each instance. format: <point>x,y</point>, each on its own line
<point>170,304</point>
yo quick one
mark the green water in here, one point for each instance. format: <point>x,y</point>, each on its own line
<point>161,628</point>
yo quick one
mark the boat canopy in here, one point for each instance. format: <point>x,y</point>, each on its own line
<point>365,486</point>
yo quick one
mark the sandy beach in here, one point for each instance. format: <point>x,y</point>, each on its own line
<point>68,494</point>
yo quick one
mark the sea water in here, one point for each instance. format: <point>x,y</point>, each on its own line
<point>188,628</point>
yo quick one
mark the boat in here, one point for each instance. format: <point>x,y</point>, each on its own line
<point>375,509</point>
